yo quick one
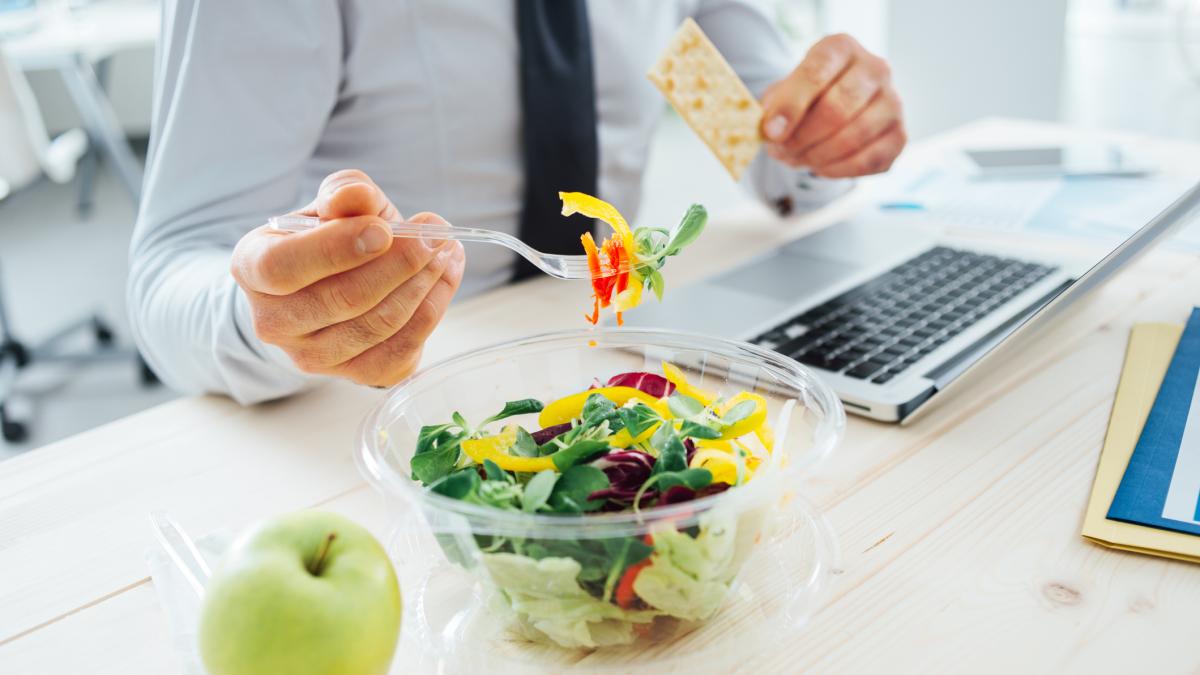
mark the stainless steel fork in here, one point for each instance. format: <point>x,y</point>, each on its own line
<point>554,264</point>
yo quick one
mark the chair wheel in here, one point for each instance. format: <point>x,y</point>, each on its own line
<point>104,334</point>
<point>15,432</point>
<point>145,375</point>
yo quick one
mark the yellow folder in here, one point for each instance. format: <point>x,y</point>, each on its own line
<point>1151,346</point>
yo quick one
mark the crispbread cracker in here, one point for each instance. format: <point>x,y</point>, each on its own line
<point>709,95</point>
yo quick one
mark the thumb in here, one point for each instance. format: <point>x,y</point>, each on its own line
<point>349,193</point>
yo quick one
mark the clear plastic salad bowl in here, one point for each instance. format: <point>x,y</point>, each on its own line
<point>743,566</point>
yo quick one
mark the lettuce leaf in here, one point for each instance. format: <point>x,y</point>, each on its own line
<point>550,603</point>
<point>688,578</point>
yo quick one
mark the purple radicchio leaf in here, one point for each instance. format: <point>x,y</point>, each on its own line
<point>544,436</point>
<point>649,383</point>
<point>627,470</point>
<point>681,493</point>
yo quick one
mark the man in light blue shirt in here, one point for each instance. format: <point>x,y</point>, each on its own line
<point>261,106</point>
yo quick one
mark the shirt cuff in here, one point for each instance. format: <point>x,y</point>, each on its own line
<point>789,190</point>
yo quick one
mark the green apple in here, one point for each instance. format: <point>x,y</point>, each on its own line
<point>308,593</point>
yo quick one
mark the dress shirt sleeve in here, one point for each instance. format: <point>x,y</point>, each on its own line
<point>752,44</point>
<point>242,93</point>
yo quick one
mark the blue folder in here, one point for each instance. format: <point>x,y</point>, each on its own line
<point>1143,491</point>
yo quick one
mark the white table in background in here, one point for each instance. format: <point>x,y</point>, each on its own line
<point>72,42</point>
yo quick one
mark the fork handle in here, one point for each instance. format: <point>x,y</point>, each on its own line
<point>400,228</point>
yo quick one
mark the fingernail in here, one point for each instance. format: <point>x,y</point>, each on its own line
<point>775,127</point>
<point>373,239</point>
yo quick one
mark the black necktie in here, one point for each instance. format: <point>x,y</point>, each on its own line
<point>558,105</point>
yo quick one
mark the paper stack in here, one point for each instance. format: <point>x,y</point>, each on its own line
<point>1145,497</point>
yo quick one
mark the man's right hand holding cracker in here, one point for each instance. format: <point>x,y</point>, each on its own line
<point>836,113</point>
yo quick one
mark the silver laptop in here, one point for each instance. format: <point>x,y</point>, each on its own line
<point>889,316</point>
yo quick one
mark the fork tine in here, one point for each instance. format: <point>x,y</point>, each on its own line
<point>576,266</point>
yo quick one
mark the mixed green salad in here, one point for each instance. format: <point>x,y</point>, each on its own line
<point>634,442</point>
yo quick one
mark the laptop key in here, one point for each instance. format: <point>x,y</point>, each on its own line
<point>883,377</point>
<point>865,369</point>
<point>862,371</point>
<point>838,362</point>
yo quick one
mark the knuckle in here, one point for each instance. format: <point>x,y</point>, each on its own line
<point>818,67</point>
<point>857,136</point>
<point>832,111</point>
<point>366,330</point>
<point>310,358</point>
<point>877,161</point>
<point>237,266</point>
<point>268,324</point>
<point>404,354</point>
<point>384,321</point>
<point>267,268</point>
<point>388,318</point>
<point>385,365</point>
<point>408,364</point>
<point>881,67</point>
<point>345,176</point>
<point>347,297</point>
<point>841,42</point>
<point>413,254</point>
<point>425,317</point>
<point>330,252</point>
<point>824,154</point>
<point>304,360</point>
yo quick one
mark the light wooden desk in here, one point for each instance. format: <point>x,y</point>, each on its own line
<point>960,535</point>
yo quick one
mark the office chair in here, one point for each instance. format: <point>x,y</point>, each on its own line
<point>29,155</point>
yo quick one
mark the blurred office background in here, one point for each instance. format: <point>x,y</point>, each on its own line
<point>82,75</point>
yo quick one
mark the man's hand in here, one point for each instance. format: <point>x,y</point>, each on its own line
<point>836,113</point>
<point>346,298</point>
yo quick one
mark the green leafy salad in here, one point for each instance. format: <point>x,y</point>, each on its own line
<point>631,444</point>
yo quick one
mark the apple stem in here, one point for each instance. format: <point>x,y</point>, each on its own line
<point>315,566</point>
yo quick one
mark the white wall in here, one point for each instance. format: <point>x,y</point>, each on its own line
<point>866,20</point>
<point>1126,70</point>
<point>958,60</point>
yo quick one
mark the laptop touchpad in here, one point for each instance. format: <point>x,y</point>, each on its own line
<point>706,307</point>
<point>788,278</point>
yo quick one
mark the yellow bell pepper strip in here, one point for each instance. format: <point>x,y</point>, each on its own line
<point>722,465</point>
<point>496,448</point>
<point>623,439</point>
<point>749,423</point>
<point>717,456</point>
<point>714,444</point>
<point>631,295</point>
<point>676,377</point>
<point>612,263</point>
<point>587,205</point>
<point>571,407</point>
<point>766,436</point>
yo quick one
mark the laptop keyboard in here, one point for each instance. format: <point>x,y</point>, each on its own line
<point>877,330</point>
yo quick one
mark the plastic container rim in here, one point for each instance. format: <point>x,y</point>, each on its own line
<point>386,478</point>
